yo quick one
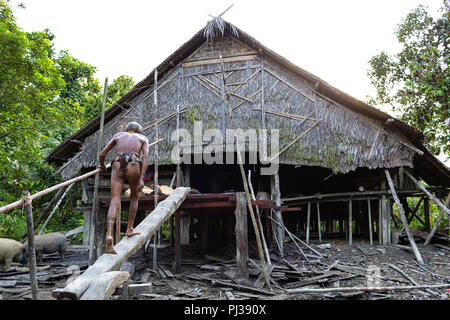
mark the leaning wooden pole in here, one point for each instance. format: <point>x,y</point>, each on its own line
<point>402,215</point>
<point>93,219</point>
<point>428,193</point>
<point>441,213</point>
<point>54,209</point>
<point>126,247</point>
<point>31,249</point>
<point>156,158</point>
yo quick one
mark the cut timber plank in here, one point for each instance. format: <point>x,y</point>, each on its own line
<point>215,61</point>
<point>125,248</point>
<point>105,285</point>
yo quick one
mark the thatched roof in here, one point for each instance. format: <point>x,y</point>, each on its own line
<point>426,165</point>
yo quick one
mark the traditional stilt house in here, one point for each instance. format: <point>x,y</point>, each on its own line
<point>322,165</point>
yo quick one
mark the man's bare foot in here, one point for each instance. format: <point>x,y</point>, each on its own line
<point>131,232</point>
<point>109,247</point>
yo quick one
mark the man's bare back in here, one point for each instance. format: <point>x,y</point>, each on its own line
<point>126,165</point>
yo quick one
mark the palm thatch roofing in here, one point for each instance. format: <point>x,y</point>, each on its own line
<point>426,166</point>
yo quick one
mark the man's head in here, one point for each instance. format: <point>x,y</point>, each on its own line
<point>134,126</point>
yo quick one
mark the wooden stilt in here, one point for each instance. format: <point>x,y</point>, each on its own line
<point>318,222</point>
<point>308,217</point>
<point>177,243</point>
<point>380,222</point>
<point>241,234</point>
<point>426,213</point>
<point>402,215</point>
<point>31,247</point>
<point>156,157</point>
<point>369,214</point>
<point>278,216</point>
<point>204,232</point>
<point>350,223</point>
<point>185,222</point>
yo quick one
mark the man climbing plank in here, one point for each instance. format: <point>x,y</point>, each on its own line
<point>127,165</point>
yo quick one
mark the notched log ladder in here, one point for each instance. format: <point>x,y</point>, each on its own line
<point>126,247</point>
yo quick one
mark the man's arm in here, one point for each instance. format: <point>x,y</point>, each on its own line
<point>104,152</point>
<point>144,163</point>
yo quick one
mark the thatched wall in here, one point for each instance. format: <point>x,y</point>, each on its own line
<point>343,141</point>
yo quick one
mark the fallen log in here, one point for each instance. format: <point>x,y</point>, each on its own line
<point>105,285</point>
<point>126,247</point>
<point>368,289</point>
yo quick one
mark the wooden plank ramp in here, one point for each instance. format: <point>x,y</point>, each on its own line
<point>125,248</point>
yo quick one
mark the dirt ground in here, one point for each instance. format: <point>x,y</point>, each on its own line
<point>213,276</point>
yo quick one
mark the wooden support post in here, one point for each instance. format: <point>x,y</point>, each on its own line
<point>204,239</point>
<point>426,213</point>
<point>277,197</point>
<point>31,249</point>
<point>402,215</point>
<point>241,234</point>
<point>172,232</point>
<point>318,222</point>
<point>100,231</point>
<point>380,222</point>
<point>308,219</point>
<point>177,243</point>
<point>350,223</point>
<point>369,214</point>
<point>92,248</point>
<point>156,158</point>
<point>185,222</point>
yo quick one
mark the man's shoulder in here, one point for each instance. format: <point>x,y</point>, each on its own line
<point>144,138</point>
<point>118,134</point>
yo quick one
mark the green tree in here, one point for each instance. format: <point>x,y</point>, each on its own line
<point>29,82</point>
<point>81,90</point>
<point>116,90</point>
<point>416,81</point>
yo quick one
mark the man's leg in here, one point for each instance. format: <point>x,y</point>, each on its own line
<point>116,189</point>
<point>132,174</point>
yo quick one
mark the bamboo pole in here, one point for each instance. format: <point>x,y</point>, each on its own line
<point>252,192</point>
<point>55,208</point>
<point>429,194</point>
<point>402,215</point>
<point>441,213</point>
<point>31,247</point>
<point>19,203</point>
<point>367,289</point>
<point>156,155</point>
<point>49,207</point>
<point>93,218</point>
